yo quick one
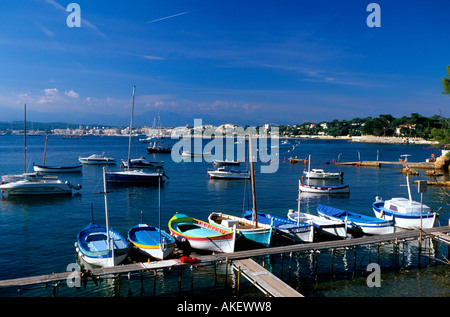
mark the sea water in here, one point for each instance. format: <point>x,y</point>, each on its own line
<point>37,234</point>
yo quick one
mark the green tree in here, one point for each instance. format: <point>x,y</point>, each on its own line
<point>446,83</point>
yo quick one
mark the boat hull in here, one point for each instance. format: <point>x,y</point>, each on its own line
<point>201,235</point>
<point>151,241</point>
<point>322,175</point>
<point>161,150</point>
<point>404,220</point>
<point>92,246</point>
<point>245,228</point>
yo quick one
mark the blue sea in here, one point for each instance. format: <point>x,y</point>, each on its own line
<point>37,234</point>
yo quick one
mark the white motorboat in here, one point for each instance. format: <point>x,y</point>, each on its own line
<point>33,186</point>
<point>321,174</point>
<point>406,213</point>
<point>226,163</point>
<point>141,163</point>
<point>95,159</point>
<point>10,178</point>
<point>223,172</point>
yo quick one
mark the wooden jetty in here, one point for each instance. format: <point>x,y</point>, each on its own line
<point>420,165</point>
<point>439,234</point>
<point>263,279</point>
<point>294,160</point>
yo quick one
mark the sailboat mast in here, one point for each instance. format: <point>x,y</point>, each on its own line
<point>131,126</point>
<point>254,213</point>
<point>25,139</point>
<point>106,210</point>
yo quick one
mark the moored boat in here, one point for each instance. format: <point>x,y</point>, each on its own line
<point>357,223</point>
<point>227,173</point>
<point>202,235</point>
<point>226,163</point>
<point>321,174</point>
<point>97,159</point>
<point>58,169</point>
<point>248,229</point>
<point>298,231</point>
<point>328,189</point>
<point>141,163</point>
<point>36,186</point>
<point>152,241</point>
<point>135,176</point>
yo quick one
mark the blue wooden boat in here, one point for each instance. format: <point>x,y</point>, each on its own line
<point>152,241</point>
<point>293,230</point>
<point>93,247</point>
<point>357,223</point>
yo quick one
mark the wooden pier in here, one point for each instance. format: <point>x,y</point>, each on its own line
<point>439,234</point>
<point>263,279</point>
<point>420,165</point>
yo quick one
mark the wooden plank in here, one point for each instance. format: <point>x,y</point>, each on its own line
<point>441,237</point>
<point>264,280</point>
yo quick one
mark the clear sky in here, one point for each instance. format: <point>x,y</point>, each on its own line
<point>284,61</point>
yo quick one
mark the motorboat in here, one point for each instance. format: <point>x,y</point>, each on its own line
<point>35,186</point>
<point>97,159</point>
<point>226,173</point>
<point>321,174</point>
<point>141,163</point>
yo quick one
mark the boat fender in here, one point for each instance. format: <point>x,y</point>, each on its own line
<point>378,198</point>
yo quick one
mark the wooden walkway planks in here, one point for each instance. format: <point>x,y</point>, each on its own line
<point>263,279</point>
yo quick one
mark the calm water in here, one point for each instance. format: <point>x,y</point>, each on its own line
<point>37,234</point>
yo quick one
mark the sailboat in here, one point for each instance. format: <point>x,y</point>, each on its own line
<point>327,189</point>
<point>406,213</point>
<point>250,229</point>
<point>32,183</point>
<point>55,169</point>
<point>157,147</point>
<point>152,240</point>
<point>134,176</point>
<point>99,245</point>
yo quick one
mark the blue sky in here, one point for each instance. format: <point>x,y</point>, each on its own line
<point>286,61</point>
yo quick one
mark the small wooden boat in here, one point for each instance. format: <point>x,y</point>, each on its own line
<point>58,169</point>
<point>406,213</point>
<point>357,223</point>
<point>152,241</point>
<point>93,247</point>
<point>321,174</point>
<point>202,235</point>
<point>99,245</point>
<point>226,173</point>
<point>329,189</point>
<point>248,229</point>
<point>96,159</point>
<point>298,231</point>
<point>322,226</point>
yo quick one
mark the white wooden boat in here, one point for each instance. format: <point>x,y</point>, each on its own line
<point>58,169</point>
<point>97,159</point>
<point>193,154</point>
<point>254,231</point>
<point>321,174</point>
<point>226,173</point>
<point>406,213</point>
<point>34,186</point>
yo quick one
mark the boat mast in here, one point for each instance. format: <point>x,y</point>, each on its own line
<point>254,210</point>
<point>298,207</point>
<point>106,216</point>
<point>25,139</point>
<point>309,167</point>
<point>131,127</point>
